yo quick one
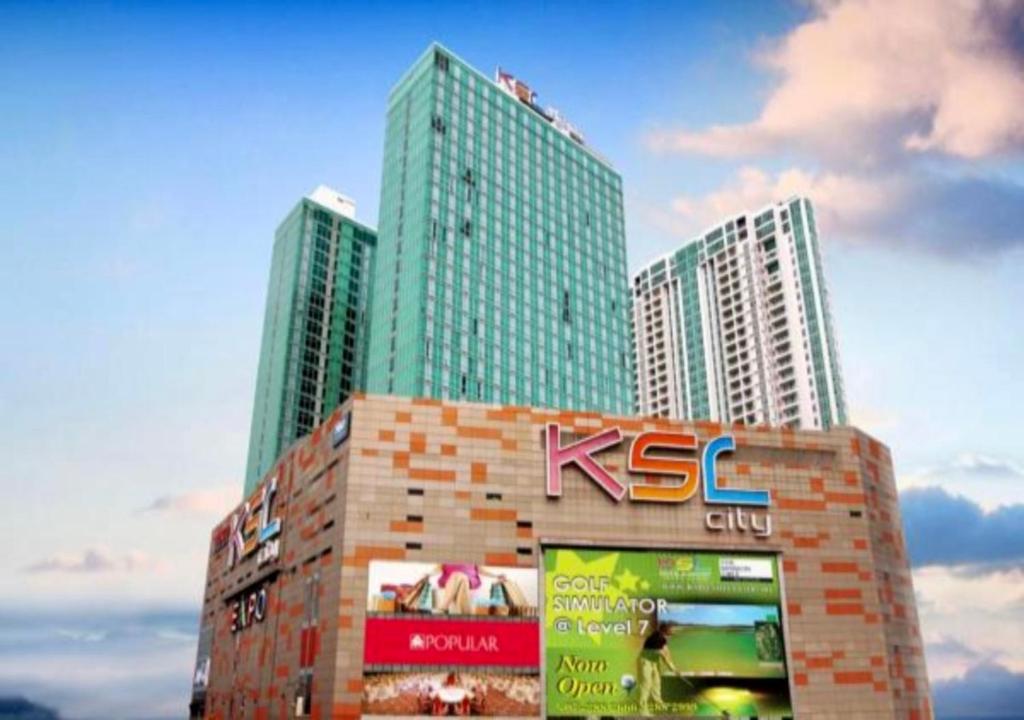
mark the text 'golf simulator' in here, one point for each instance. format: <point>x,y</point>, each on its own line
<point>691,634</point>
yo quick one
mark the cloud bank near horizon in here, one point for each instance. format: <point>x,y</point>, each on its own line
<point>953,531</point>
<point>92,664</point>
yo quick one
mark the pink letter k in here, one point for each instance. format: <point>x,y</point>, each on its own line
<point>579,453</point>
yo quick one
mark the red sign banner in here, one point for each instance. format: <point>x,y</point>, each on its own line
<point>436,641</point>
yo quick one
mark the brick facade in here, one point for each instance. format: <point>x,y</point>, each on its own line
<point>474,474</point>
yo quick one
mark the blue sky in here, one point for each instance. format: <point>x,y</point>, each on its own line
<point>718,614</point>
<point>147,151</point>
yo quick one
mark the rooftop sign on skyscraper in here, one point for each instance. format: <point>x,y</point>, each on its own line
<point>522,92</point>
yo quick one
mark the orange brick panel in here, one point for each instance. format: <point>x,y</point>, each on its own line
<point>500,559</point>
<point>432,474</point>
<point>785,503</point>
<point>405,526</point>
<point>845,498</point>
<point>491,514</point>
<point>806,542</point>
<point>852,677</point>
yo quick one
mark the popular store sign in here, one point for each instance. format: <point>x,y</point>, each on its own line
<point>433,641</point>
<point>730,509</point>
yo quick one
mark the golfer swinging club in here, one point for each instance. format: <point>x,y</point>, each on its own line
<point>648,667</point>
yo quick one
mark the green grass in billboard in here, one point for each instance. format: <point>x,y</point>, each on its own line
<point>716,639</point>
<point>663,633</point>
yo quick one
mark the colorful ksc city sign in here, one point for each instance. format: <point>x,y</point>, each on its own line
<point>645,459</point>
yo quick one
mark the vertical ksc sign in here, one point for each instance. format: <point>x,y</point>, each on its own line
<point>253,530</point>
<point>644,458</point>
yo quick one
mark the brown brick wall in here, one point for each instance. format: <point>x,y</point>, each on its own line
<point>854,646</point>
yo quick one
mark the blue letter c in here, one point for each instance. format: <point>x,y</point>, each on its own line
<point>714,495</point>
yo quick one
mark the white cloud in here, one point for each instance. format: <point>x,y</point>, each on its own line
<point>870,93</point>
<point>983,465</point>
<point>967,619</point>
<point>989,481</point>
<point>96,560</point>
<point>82,636</point>
<point>843,203</point>
<point>951,657</point>
<point>216,501</point>
<point>864,78</point>
<point>874,420</point>
<point>963,216</point>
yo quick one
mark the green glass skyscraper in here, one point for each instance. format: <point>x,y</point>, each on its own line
<point>501,264</point>
<point>313,353</point>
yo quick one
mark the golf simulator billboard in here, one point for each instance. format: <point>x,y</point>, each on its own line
<point>669,633</point>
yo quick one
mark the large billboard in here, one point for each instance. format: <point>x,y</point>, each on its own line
<point>669,633</point>
<point>451,639</point>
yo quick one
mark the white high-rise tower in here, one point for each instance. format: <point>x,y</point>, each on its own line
<point>735,326</point>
